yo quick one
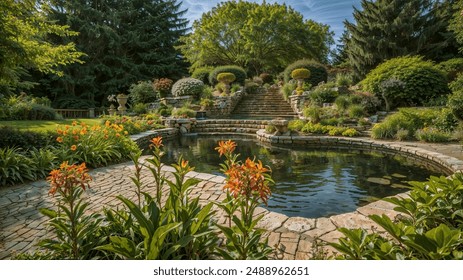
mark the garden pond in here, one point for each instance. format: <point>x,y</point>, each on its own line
<point>310,183</point>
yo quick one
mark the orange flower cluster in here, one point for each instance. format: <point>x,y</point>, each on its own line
<point>71,136</point>
<point>226,147</point>
<point>68,177</point>
<point>156,142</point>
<point>249,180</point>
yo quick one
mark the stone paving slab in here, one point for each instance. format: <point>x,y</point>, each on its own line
<point>21,224</point>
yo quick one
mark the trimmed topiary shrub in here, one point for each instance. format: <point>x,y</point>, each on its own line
<point>202,74</point>
<point>300,74</point>
<point>422,80</point>
<point>239,73</point>
<point>451,67</point>
<point>188,86</point>
<point>318,72</point>
<point>226,77</point>
<point>142,92</point>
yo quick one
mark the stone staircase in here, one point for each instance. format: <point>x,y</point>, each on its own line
<point>228,126</point>
<point>265,106</point>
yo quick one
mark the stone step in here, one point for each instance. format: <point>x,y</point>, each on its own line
<point>225,129</point>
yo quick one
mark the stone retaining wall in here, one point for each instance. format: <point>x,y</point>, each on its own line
<point>224,105</point>
<point>443,163</point>
<point>142,139</point>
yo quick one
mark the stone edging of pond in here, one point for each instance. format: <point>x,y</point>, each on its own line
<point>447,164</point>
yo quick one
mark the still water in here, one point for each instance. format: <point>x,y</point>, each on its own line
<point>310,183</point>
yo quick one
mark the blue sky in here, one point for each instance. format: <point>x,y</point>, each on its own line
<point>331,12</point>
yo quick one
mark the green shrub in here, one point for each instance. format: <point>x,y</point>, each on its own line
<point>429,226</point>
<point>313,113</point>
<point>356,111</point>
<point>296,125</point>
<point>323,93</point>
<point>402,134</point>
<point>25,139</point>
<point>183,112</point>
<point>329,129</point>
<point>350,132</point>
<point>432,134</point>
<point>134,125</point>
<point>287,90</point>
<point>164,110</point>
<point>455,100</point>
<point>234,88</point>
<point>140,108</point>
<point>188,86</point>
<point>270,128</point>
<point>251,87</point>
<point>451,67</point>
<point>370,103</point>
<point>14,167</point>
<point>343,80</point>
<point>202,74</point>
<point>342,102</point>
<point>207,92</point>
<point>24,107</point>
<point>142,92</point>
<point>411,119</point>
<point>266,78</point>
<point>239,73</point>
<point>162,87</point>
<point>318,72</point>
<point>422,80</point>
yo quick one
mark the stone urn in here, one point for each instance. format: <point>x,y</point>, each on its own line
<point>122,100</point>
<point>112,110</point>
<point>281,126</point>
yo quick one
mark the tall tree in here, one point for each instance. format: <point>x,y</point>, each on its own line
<point>456,23</point>
<point>384,29</point>
<point>255,36</point>
<point>125,41</point>
<point>24,45</point>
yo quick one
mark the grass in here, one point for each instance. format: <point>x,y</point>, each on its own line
<point>42,126</point>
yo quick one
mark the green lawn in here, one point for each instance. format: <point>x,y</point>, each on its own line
<point>46,125</point>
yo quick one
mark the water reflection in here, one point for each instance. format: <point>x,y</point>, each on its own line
<point>311,183</point>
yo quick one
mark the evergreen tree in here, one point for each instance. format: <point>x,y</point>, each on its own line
<point>125,41</point>
<point>385,29</point>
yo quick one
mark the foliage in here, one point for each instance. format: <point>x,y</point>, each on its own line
<point>343,80</point>
<point>164,110</point>
<point>451,67</point>
<point>422,80</point>
<point>24,107</point>
<point>234,88</point>
<point>412,120</point>
<point>296,125</point>
<point>226,77</point>
<point>188,86</point>
<point>140,108</point>
<point>370,102</point>
<point>455,100</point>
<point>270,128</point>
<point>323,93</point>
<point>430,227</point>
<point>356,111</point>
<point>202,74</point>
<point>247,185</point>
<point>134,125</point>
<point>14,167</point>
<point>162,86</point>
<point>254,36</point>
<point>25,43</point>
<point>432,134</point>
<point>342,102</point>
<point>25,139</point>
<point>142,92</point>
<point>266,78</point>
<point>456,24</point>
<point>239,72</point>
<point>96,145</point>
<point>206,102</point>
<point>76,231</point>
<point>318,72</point>
<point>387,29</point>
<point>300,73</point>
<point>329,129</point>
<point>125,42</point>
<point>313,113</point>
<point>183,112</point>
<point>251,87</point>
<point>287,90</point>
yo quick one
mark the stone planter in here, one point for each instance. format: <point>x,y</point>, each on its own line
<point>122,100</point>
<point>112,110</point>
<point>281,126</point>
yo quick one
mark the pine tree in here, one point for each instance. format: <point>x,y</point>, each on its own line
<point>385,29</point>
<point>125,41</point>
